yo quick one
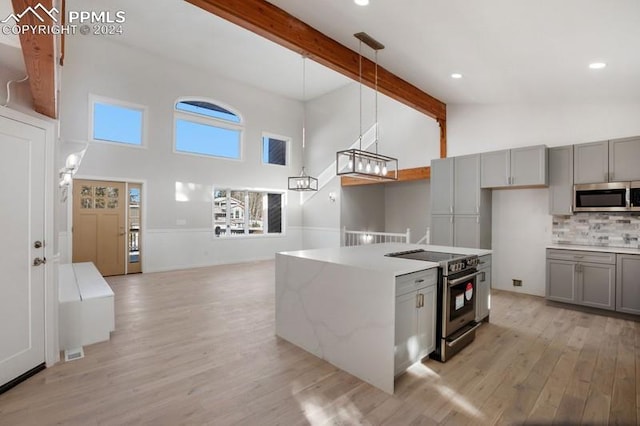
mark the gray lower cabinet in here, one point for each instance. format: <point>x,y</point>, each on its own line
<point>628,283</point>
<point>483,289</point>
<point>583,278</point>
<point>561,180</point>
<point>415,319</point>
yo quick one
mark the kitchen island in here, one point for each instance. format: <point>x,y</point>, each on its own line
<point>340,304</point>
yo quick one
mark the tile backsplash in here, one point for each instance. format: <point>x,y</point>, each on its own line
<point>597,229</point>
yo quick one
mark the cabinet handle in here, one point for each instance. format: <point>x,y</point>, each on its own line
<point>484,276</point>
<point>451,209</point>
<point>421,300</point>
<point>419,281</point>
<point>418,300</point>
<point>577,256</point>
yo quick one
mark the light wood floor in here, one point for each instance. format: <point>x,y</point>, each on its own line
<point>198,347</point>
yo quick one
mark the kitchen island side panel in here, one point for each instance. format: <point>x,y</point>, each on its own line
<point>339,313</point>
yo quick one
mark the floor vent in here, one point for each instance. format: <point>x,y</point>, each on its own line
<point>73,354</point>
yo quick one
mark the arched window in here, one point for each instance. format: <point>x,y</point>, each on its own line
<point>207,128</point>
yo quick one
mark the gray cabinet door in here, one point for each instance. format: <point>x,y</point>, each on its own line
<point>561,281</point>
<point>597,285</point>
<point>467,185</point>
<point>561,180</point>
<point>427,322</point>
<point>442,186</point>
<point>623,159</point>
<point>405,331</point>
<point>591,162</point>
<point>483,289</point>
<point>466,231</point>
<point>628,284</point>
<point>494,169</point>
<point>442,230</point>
<point>529,166</point>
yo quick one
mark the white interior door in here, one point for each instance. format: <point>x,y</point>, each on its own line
<point>22,304</point>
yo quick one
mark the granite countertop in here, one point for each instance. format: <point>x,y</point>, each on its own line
<point>602,249</point>
<point>372,256</point>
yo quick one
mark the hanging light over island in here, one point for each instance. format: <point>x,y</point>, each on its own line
<point>358,162</point>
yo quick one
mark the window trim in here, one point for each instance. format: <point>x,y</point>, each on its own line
<point>93,99</point>
<point>207,121</point>
<point>288,142</point>
<point>232,188</point>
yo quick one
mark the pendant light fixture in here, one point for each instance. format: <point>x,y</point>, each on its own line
<point>303,182</point>
<point>358,162</point>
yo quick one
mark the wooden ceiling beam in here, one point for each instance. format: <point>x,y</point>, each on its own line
<point>39,56</point>
<point>273,23</point>
<point>404,175</point>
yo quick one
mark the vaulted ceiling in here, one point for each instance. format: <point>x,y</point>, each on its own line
<point>507,51</point>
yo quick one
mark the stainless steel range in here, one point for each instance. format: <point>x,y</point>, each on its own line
<point>456,326</point>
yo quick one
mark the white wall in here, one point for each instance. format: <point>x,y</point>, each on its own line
<point>408,206</point>
<point>333,124</point>
<point>11,66</point>
<point>521,225</point>
<point>178,233</point>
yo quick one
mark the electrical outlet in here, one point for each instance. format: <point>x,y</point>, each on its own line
<point>517,283</point>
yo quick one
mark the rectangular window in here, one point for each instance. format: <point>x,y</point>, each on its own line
<point>274,150</point>
<point>249,212</point>
<point>206,139</point>
<point>117,123</point>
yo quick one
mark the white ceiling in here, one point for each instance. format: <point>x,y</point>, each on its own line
<point>508,51</point>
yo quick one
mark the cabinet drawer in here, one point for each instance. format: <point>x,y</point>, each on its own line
<point>582,256</point>
<point>415,281</point>
<point>485,262</point>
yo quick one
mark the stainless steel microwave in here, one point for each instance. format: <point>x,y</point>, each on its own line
<point>598,197</point>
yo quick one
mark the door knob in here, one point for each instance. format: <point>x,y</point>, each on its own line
<point>37,261</point>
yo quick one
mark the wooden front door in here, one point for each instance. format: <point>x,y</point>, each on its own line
<point>22,260</point>
<point>99,225</point>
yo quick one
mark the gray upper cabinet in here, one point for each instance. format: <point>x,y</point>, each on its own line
<point>442,186</point>
<point>561,180</point>
<point>529,166</point>
<point>607,161</point>
<point>467,185</point>
<point>624,156</point>
<point>591,162</point>
<point>494,167</point>
<point>514,167</point>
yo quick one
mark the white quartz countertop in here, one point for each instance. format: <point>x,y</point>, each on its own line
<point>620,250</point>
<point>372,256</point>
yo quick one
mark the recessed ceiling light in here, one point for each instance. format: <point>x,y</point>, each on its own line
<point>456,75</point>
<point>597,65</point>
<point>361,2</point>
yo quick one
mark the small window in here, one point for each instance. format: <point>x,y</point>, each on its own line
<point>112,122</point>
<point>274,150</point>
<point>208,129</point>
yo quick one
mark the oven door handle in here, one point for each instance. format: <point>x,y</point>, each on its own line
<point>463,279</point>
<point>466,333</point>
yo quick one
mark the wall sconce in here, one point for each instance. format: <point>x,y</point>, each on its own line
<point>66,173</point>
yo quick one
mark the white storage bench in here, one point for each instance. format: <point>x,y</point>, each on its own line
<point>86,310</point>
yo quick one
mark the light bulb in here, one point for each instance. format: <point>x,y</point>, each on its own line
<point>377,169</point>
<point>72,161</point>
<point>368,167</point>
<point>384,170</point>
<point>360,165</point>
